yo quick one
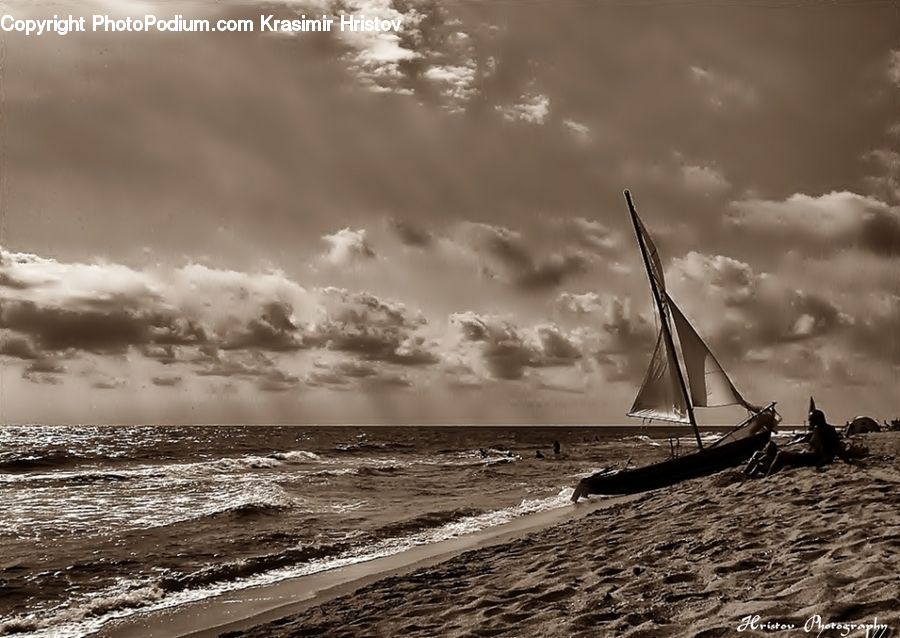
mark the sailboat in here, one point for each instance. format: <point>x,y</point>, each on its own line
<point>670,393</point>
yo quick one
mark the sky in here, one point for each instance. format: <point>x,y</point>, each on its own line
<point>428,226</point>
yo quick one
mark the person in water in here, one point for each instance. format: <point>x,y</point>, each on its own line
<point>556,448</point>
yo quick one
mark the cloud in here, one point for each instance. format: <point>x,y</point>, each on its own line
<point>704,179</point>
<point>411,234</point>
<point>378,58</point>
<point>502,253</point>
<point>346,247</point>
<point>346,374</point>
<point>739,310</point>
<point>273,330</point>
<point>456,82</point>
<point>532,109</point>
<point>211,322</point>
<point>581,132</point>
<point>167,381</point>
<point>886,184</point>
<point>505,351</point>
<point>238,364</point>
<point>55,328</point>
<point>617,337</point>
<point>832,221</point>
<point>107,308</point>
<point>893,68</point>
<point>18,347</point>
<point>108,383</point>
<point>165,354</point>
<point>45,366</point>
<point>583,304</point>
<point>734,280</point>
<point>587,233</point>
<point>278,381</point>
<point>372,328</point>
<point>722,91</point>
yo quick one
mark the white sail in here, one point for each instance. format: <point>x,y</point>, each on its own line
<point>656,268</point>
<point>708,383</point>
<point>660,396</point>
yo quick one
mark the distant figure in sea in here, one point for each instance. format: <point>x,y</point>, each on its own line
<point>556,448</point>
<point>538,455</point>
<point>482,452</point>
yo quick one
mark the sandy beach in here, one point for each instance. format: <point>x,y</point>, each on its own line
<point>695,559</point>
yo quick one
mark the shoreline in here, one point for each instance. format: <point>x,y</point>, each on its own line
<point>247,608</point>
<point>695,560</point>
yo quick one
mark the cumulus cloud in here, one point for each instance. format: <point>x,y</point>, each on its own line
<point>378,58</point>
<point>739,310</point>
<point>834,220</point>
<point>733,280</point>
<point>274,329</point>
<point>346,247</point>
<point>504,254</point>
<point>579,304</point>
<point>505,351</point>
<point>372,328</point>
<point>107,308</point>
<point>215,323</point>
<point>613,334</point>
<point>430,51</point>
<point>456,83</point>
<point>532,108</point>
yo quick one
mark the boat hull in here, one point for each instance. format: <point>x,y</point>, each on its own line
<point>650,477</point>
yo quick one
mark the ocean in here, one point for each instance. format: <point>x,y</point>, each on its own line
<point>99,523</point>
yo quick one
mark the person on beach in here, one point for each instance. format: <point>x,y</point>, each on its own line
<point>821,437</point>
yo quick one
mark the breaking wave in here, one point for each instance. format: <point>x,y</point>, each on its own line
<point>131,597</point>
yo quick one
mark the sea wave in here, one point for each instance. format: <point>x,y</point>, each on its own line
<point>243,568</point>
<point>43,462</point>
<point>53,466</point>
<point>424,521</point>
<point>129,597</point>
<point>362,446</point>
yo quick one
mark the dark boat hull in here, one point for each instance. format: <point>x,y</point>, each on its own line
<point>650,477</point>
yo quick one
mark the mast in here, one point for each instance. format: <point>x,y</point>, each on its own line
<point>664,318</point>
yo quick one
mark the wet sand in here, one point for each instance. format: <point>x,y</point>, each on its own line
<point>689,560</point>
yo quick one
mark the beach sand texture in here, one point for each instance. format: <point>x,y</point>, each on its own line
<point>689,560</point>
